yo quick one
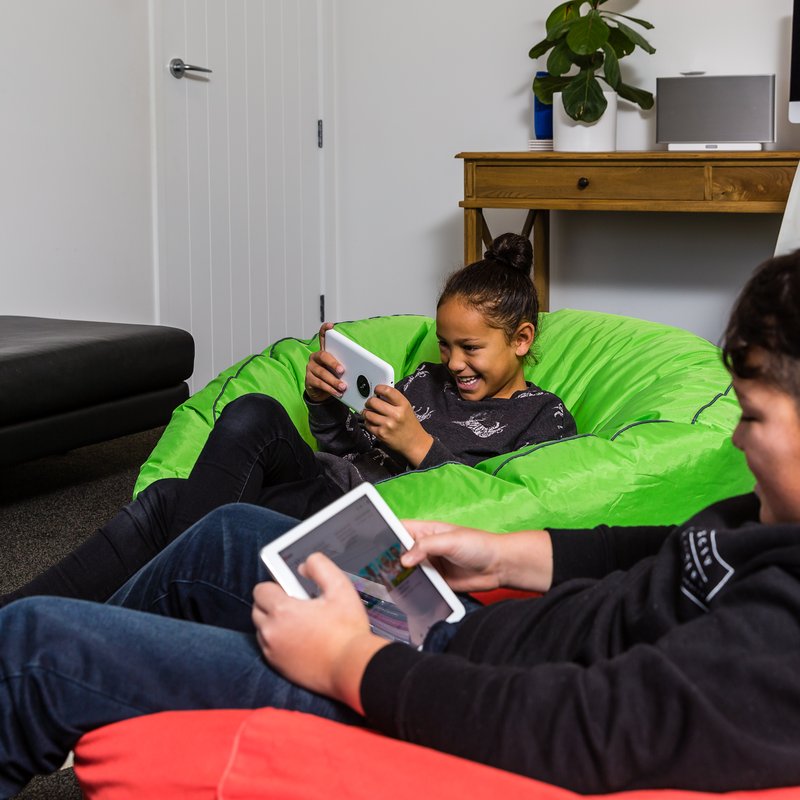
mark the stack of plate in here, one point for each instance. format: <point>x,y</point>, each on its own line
<point>540,144</point>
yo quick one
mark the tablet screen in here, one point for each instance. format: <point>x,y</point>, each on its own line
<point>401,603</point>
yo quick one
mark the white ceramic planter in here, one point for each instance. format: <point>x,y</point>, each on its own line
<point>585,137</point>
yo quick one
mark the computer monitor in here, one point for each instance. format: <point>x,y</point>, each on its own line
<point>794,72</point>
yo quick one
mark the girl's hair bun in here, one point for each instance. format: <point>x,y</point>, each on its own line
<point>512,249</point>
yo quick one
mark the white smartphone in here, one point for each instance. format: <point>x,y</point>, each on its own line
<point>362,536</point>
<point>363,370</point>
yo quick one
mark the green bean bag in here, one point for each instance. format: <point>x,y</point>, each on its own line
<point>653,406</point>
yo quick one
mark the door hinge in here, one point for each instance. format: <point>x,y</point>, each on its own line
<point>319,133</point>
<point>322,308</point>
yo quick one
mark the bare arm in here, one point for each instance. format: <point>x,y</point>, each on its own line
<point>325,644</point>
<point>473,561</point>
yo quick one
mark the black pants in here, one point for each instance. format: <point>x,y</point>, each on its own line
<point>254,454</point>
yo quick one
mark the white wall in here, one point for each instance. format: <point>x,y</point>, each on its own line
<point>419,81</point>
<point>414,83</point>
<point>75,205</point>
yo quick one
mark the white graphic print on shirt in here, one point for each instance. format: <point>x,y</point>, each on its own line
<point>476,424</point>
<point>422,415</point>
<point>705,572</point>
<point>421,372</point>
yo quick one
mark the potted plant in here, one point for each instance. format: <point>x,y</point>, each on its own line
<point>592,42</point>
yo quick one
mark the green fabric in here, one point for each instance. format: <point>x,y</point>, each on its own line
<point>653,407</point>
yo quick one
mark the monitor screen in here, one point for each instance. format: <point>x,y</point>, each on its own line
<point>794,70</point>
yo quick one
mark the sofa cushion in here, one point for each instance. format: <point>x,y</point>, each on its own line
<point>53,366</point>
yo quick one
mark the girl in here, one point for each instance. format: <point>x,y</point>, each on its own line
<point>474,405</point>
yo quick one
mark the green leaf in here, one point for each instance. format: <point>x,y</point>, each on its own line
<point>643,22</point>
<point>588,34</point>
<point>560,60</point>
<point>594,61</point>
<point>540,48</point>
<point>622,45</point>
<point>611,67</point>
<point>561,18</point>
<point>583,98</point>
<point>642,98</point>
<point>636,38</point>
<point>544,87</point>
<point>594,43</point>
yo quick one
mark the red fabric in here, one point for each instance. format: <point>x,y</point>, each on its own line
<point>285,755</point>
<point>172,755</point>
<point>496,595</point>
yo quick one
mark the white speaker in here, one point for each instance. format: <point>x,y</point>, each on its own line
<point>715,112</point>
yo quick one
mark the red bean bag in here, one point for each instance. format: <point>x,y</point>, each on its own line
<point>286,755</point>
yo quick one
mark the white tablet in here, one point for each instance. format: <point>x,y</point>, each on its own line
<point>361,534</point>
<point>363,370</point>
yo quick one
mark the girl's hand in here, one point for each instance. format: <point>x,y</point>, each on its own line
<point>322,644</point>
<point>472,560</point>
<point>389,416</point>
<point>323,372</point>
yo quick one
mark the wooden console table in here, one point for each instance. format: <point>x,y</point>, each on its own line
<point>755,182</point>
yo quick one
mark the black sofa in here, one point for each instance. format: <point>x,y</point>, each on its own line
<point>70,383</point>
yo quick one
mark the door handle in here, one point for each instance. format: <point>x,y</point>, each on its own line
<point>178,68</point>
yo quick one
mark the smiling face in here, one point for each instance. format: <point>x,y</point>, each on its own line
<point>768,434</point>
<point>481,359</point>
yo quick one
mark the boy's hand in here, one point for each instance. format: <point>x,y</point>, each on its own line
<point>472,560</point>
<point>389,416</point>
<point>322,644</point>
<point>323,372</point>
<point>467,558</point>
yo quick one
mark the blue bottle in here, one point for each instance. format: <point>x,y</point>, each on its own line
<point>542,116</point>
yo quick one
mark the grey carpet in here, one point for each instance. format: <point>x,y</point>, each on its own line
<point>47,508</point>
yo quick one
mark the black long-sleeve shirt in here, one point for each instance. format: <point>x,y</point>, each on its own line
<point>465,431</point>
<point>661,657</point>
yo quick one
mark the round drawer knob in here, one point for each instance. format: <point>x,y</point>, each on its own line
<point>583,183</point>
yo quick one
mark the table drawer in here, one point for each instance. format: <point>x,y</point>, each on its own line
<point>768,184</point>
<point>582,182</point>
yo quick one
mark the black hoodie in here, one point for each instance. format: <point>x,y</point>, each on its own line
<point>661,657</point>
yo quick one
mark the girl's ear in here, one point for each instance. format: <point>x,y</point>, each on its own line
<point>523,338</point>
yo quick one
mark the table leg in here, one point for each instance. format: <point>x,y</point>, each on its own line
<point>538,222</point>
<point>541,257</point>
<point>473,235</point>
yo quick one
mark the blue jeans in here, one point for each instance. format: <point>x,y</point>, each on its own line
<point>69,666</point>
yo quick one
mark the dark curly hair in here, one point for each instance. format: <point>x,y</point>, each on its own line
<point>766,317</point>
<point>500,285</point>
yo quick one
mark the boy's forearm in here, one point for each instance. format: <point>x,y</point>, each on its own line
<point>526,560</point>
<point>350,667</point>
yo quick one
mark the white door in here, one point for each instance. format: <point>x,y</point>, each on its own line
<point>241,246</point>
